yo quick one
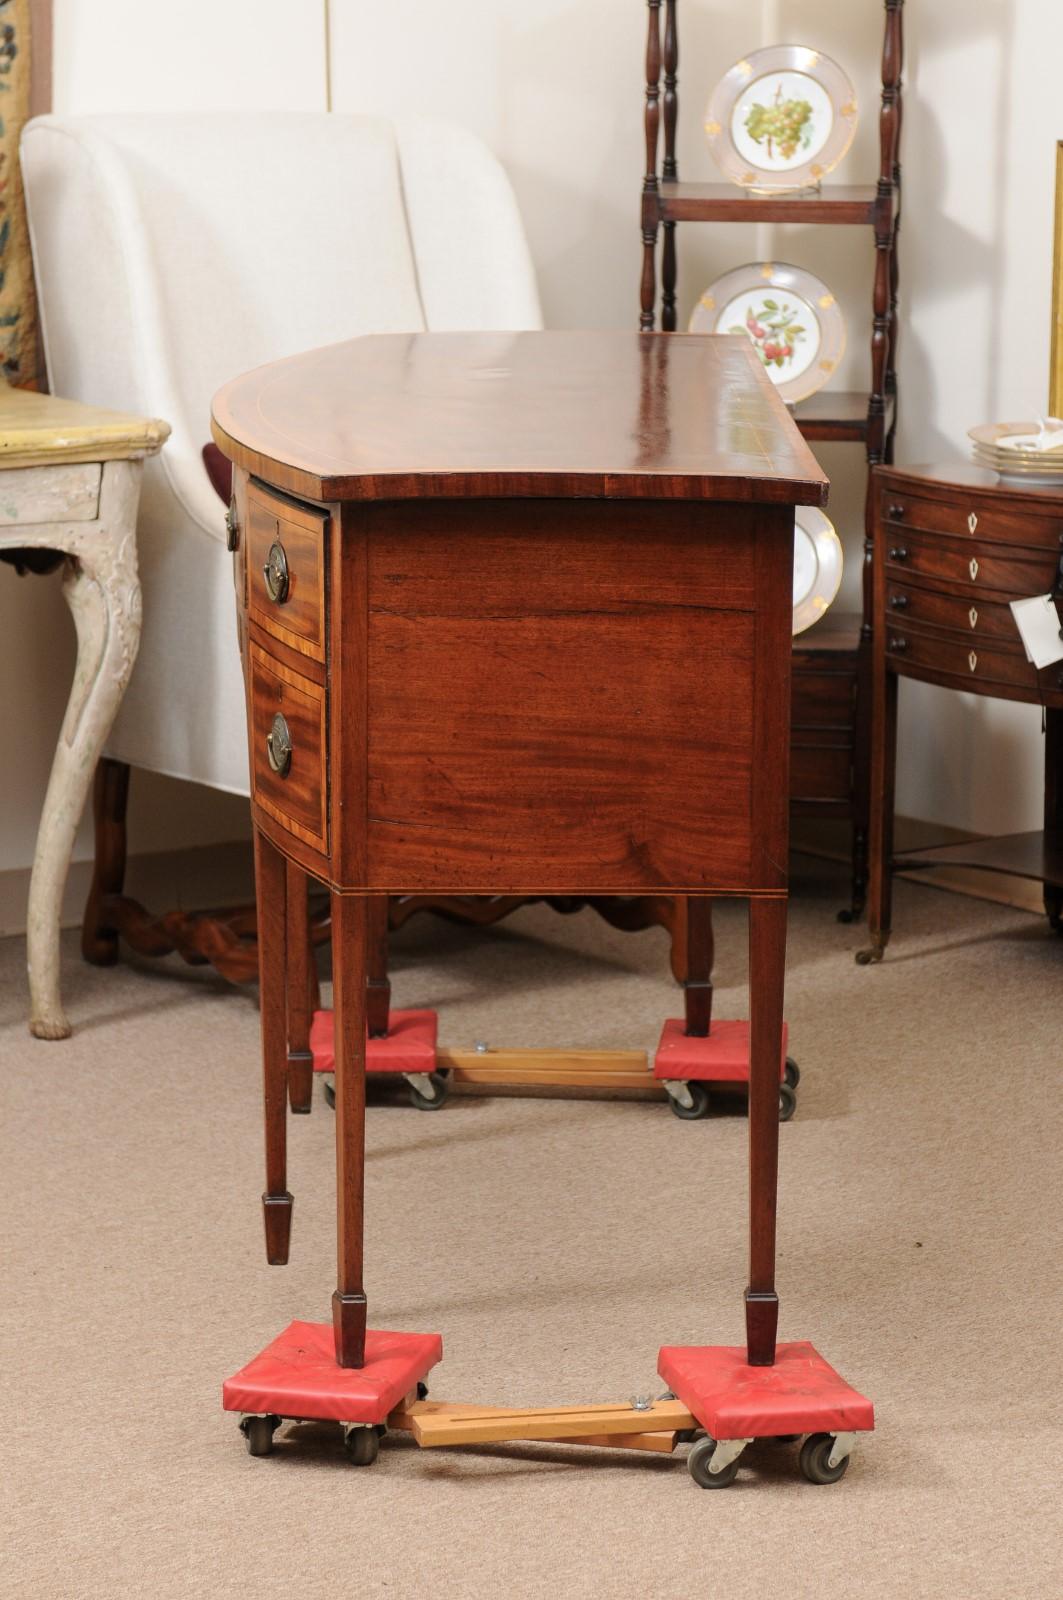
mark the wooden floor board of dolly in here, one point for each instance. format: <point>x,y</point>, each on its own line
<point>438,1422</point>
<point>570,1069</point>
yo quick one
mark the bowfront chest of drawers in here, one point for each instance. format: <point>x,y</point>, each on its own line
<point>953,546</point>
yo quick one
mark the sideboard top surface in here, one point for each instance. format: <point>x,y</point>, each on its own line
<point>559,414</point>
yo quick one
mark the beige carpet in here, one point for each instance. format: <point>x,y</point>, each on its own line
<point>555,1245</point>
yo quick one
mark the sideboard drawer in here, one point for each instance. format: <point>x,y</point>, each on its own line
<point>286,570</point>
<point>287,715</point>
<point>977,617</point>
<point>969,567</point>
<point>975,663</point>
<point>971,516</point>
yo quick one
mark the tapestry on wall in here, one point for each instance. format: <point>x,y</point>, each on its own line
<point>18,305</point>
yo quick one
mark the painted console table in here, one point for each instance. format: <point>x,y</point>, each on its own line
<point>69,488</point>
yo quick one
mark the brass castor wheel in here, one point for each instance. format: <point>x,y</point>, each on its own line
<point>441,1084</point>
<point>362,1445</point>
<point>698,1465</point>
<point>698,1107</point>
<point>792,1074</point>
<point>259,1431</point>
<point>787,1102</point>
<point>815,1458</point>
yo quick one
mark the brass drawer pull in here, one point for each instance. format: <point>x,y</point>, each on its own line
<point>232,528</point>
<point>898,553</point>
<point>275,573</point>
<point>899,602</point>
<point>279,746</point>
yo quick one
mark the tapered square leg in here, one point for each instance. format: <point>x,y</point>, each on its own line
<point>767,959</point>
<point>350,951</point>
<point>271,900</point>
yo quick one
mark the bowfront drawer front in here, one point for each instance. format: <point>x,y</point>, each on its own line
<point>286,570</point>
<point>287,714</point>
<point>976,664</point>
<point>969,567</point>
<point>910,604</point>
<point>971,516</point>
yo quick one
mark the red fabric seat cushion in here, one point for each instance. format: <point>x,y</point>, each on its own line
<point>801,1393</point>
<point>297,1375</point>
<point>721,1057</point>
<point>410,1045</point>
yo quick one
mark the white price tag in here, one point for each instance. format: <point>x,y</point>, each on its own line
<point>1038,623</point>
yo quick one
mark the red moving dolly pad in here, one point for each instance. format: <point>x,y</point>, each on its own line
<point>410,1045</point>
<point>732,1400</point>
<point>722,1056</point>
<point>297,1376</point>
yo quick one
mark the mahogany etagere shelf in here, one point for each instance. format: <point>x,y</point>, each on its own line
<point>831,669</point>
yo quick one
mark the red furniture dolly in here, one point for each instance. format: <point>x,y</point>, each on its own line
<point>515,617</point>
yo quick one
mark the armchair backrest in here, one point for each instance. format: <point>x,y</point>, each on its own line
<point>173,251</point>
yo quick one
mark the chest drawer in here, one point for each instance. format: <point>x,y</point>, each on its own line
<point>287,733</point>
<point>977,664</point>
<point>286,570</point>
<point>968,566</point>
<point>980,619</point>
<point>971,516</point>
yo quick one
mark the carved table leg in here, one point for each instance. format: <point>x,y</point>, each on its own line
<point>298,989</point>
<point>101,587</point>
<point>271,896</point>
<point>350,942</point>
<point>767,961</point>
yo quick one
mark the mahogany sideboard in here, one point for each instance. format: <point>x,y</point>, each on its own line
<point>515,615</point>
<point>953,545</point>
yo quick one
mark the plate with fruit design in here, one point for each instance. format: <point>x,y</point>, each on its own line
<point>790,317</point>
<point>781,119</point>
<point>817,566</point>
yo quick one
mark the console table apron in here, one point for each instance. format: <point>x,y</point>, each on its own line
<point>69,489</point>
<point>515,618</point>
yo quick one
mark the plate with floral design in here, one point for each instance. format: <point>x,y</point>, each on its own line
<point>817,566</point>
<point>781,119</point>
<point>789,316</point>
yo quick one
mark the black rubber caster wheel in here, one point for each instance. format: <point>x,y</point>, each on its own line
<point>792,1073</point>
<point>699,1104</point>
<point>815,1453</point>
<point>787,1102</point>
<point>259,1431</point>
<point>698,1460</point>
<point>362,1446</point>
<point>329,1091</point>
<point>441,1084</point>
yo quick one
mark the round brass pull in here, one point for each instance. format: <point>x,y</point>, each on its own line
<point>279,746</point>
<point>898,553</point>
<point>275,573</point>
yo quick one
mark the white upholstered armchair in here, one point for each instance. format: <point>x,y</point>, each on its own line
<point>175,251</point>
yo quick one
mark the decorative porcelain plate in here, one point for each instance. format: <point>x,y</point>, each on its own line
<point>817,566</point>
<point>790,317</point>
<point>781,119</point>
<point>1022,452</point>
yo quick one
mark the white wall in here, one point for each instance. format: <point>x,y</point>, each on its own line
<point>555,88</point>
